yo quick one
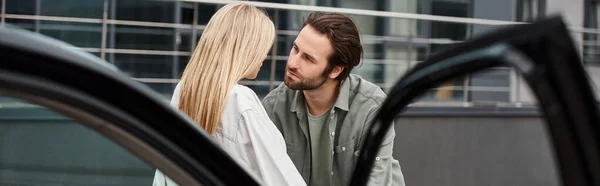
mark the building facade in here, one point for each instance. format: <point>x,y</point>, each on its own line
<point>152,40</point>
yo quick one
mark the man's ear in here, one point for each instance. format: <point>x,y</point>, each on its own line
<point>337,70</point>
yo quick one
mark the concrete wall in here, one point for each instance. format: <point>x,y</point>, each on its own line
<point>472,151</point>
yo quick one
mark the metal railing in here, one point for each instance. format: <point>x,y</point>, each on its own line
<point>411,39</point>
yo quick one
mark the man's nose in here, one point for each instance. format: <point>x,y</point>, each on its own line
<point>293,62</point>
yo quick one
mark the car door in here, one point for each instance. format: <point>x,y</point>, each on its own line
<point>69,118</point>
<point>544,53</point>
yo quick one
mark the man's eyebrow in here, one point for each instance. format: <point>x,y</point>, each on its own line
<point>307,55</point>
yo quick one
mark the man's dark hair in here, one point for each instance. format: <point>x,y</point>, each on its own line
<point>344,37</point>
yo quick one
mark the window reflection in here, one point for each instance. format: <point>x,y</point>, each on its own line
<point>72,8</point>
<point>26,7</point>
<point>149,38</point>
<point>146,66</point>
<point>144,10</point>
<point>42,147</point>
<point>164,88</point>
<point>490,85</point>
<point>86,35</point>
<point>23,24</point>
<point>452,90</point>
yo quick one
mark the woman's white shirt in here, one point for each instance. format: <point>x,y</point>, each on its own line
<point>249,136</point>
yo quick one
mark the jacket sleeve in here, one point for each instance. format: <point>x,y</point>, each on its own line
<point>386,170</point>
<point>266,147</point>
<point>269,103</point>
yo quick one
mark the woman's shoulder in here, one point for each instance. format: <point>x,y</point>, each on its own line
<point>242,89</point>
<point>243,92</point>
<point>175,96</point>
<point>243,98</point>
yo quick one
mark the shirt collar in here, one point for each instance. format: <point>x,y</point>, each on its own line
<point>343,96</point>
<point>341,101</point>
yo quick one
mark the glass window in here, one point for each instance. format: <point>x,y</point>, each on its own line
<point>165,89</point>
<point>371,50</point>
<point>373,72</point>
<point>454,31</point>
<point>392,69</point>
<point>284,44</point>
<point>42,147</point>
<point>280,70</point>
<point>22,23</point>
<point>205,12</point>
<point>144,10</point>
<point>72,8</point>
<point>591,43</point>
<point>445,93</point>
<point>149,38</point>
<point>26,7</point>
<point>452,90</point>
<point>265,71</point>
<point>294,20</point>
<point>64,8</point>
<point>183,39</point>
<point>497,77</point>
<point>88,35</point>
<point>529,10</point>
<point>187,13</point>
<point>490,85</point>
<point>183,61</point>
<point>146,66</point>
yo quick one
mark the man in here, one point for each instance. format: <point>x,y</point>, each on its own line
<point>323,111</point>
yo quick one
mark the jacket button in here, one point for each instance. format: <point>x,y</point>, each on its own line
<point>343,148</point>
<point>332,133</point>
<point>377,158</point>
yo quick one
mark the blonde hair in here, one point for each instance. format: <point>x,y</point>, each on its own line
<point>234,44</point>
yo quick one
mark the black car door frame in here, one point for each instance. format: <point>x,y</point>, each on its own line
<point>81,86</point>
<point>545,55</point>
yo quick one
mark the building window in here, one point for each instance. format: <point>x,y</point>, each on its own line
<point>452,90</point>
<point>591,43</point>
<point>529,10</point>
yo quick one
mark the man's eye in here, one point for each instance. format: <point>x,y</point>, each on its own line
<point>310,59</point>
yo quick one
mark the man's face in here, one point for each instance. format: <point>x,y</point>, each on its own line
<point>308,59</point>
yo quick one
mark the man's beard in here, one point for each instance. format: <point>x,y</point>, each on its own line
<point>305,83</point>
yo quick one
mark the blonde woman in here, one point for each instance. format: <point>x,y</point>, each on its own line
<point>233,46</point>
